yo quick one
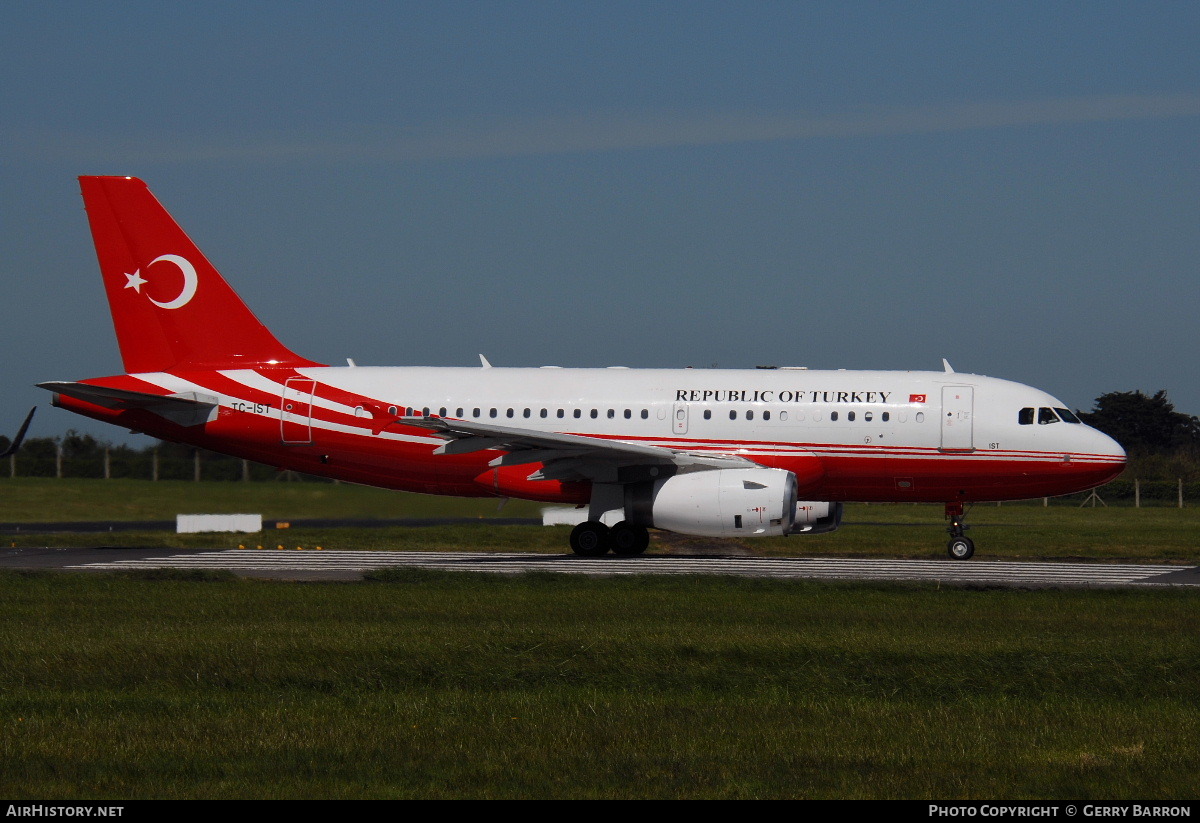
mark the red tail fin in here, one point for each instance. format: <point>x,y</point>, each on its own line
<point>170,306</point>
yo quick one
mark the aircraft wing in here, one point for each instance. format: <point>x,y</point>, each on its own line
<point>565,456</point>
<point>186,409</point>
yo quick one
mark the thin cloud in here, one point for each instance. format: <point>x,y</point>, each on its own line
<point>583,134</point>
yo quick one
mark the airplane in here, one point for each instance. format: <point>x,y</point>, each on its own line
<point>711,452</point>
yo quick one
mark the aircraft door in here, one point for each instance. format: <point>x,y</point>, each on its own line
<point>679,418</point>
<point>958,425</point>
<point>295,411</point>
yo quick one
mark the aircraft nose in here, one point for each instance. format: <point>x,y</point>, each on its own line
<point>1109,453</point>
<point>1109,447</point>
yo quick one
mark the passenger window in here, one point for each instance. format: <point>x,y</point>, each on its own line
<point>708,414</point>
<point>645,414</point>
<point>783,415</point>
<point>611,414</point>
<point>749,415</point>
<point>509,413</point>
<point>425,412</point>
<point>850,416</point>
<point>920,418</point>
<point>867,417</point>
<point>578,413</point>
<point>833,416</point>
<point>1025,417</point>
<point>1068,416</point>
<point>391,410</point>
<point>595,414</point>
<point>527,412</point>
<point>560,414</point>
<point>458,412</point>
<point>732,415</point>
<point>544,413</point>
<point>475,413</point>
<point>442,411</point>
<point>492,412</point>
<point>1046,415</point>
<point>885,416</point>
<point>766,415</point>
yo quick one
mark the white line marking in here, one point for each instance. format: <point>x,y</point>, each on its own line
<point>1015,573</point>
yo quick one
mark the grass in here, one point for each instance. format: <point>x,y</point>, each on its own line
<point>1013,531</point>
<point>422,684</point>
<point>427,684</point>
<point>43,499</point>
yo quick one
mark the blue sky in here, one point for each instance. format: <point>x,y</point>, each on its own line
<point>1012,186</point>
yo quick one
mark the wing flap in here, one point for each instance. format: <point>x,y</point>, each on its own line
<point>564,456</point>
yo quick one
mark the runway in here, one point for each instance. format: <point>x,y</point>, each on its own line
<point>350,565</point>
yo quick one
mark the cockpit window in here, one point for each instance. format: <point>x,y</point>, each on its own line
<point>1046,415</point>
<point>1067,415</point>
<point>1025,417</point>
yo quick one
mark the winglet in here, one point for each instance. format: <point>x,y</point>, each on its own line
<point>16,444</point>
<point>484,362</point>
<point>946,365</point>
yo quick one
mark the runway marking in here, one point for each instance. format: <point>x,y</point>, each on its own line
<point>945,571</point>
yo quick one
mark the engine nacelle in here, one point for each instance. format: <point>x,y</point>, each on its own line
<point>816,517</point>
<point>719,503</point>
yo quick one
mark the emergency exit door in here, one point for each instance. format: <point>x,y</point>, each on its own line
<point>679,418</point>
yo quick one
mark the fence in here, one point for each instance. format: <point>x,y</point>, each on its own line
<point>1141,493</point>
<point>149,464</point>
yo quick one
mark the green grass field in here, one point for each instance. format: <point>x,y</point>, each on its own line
<point>436,685</point>
<point>34,499</point>
<point>459,685</point>
<point>1025,531</point>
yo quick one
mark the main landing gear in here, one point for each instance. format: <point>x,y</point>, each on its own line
<point>960,546</point>
<point>593,539</point>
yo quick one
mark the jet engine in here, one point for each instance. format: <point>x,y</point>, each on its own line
<point>717,503</point>
<point>816,517</point>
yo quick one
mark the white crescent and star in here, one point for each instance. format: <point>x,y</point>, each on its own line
<point>190,281</point>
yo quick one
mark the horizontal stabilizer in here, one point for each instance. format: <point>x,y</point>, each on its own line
<point>186,409</point>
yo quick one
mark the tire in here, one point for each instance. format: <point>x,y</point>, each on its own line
<point>590,539</point>
<point>628,540</point>
<point>960,548</point>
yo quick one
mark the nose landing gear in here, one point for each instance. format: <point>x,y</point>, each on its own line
<point>960,546</point>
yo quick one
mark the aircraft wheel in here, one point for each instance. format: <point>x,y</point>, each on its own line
<point>629,540</point>
<point>960,548</point>
<point>590,539</point>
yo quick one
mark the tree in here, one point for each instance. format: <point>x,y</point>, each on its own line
<point>1142,423</point>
